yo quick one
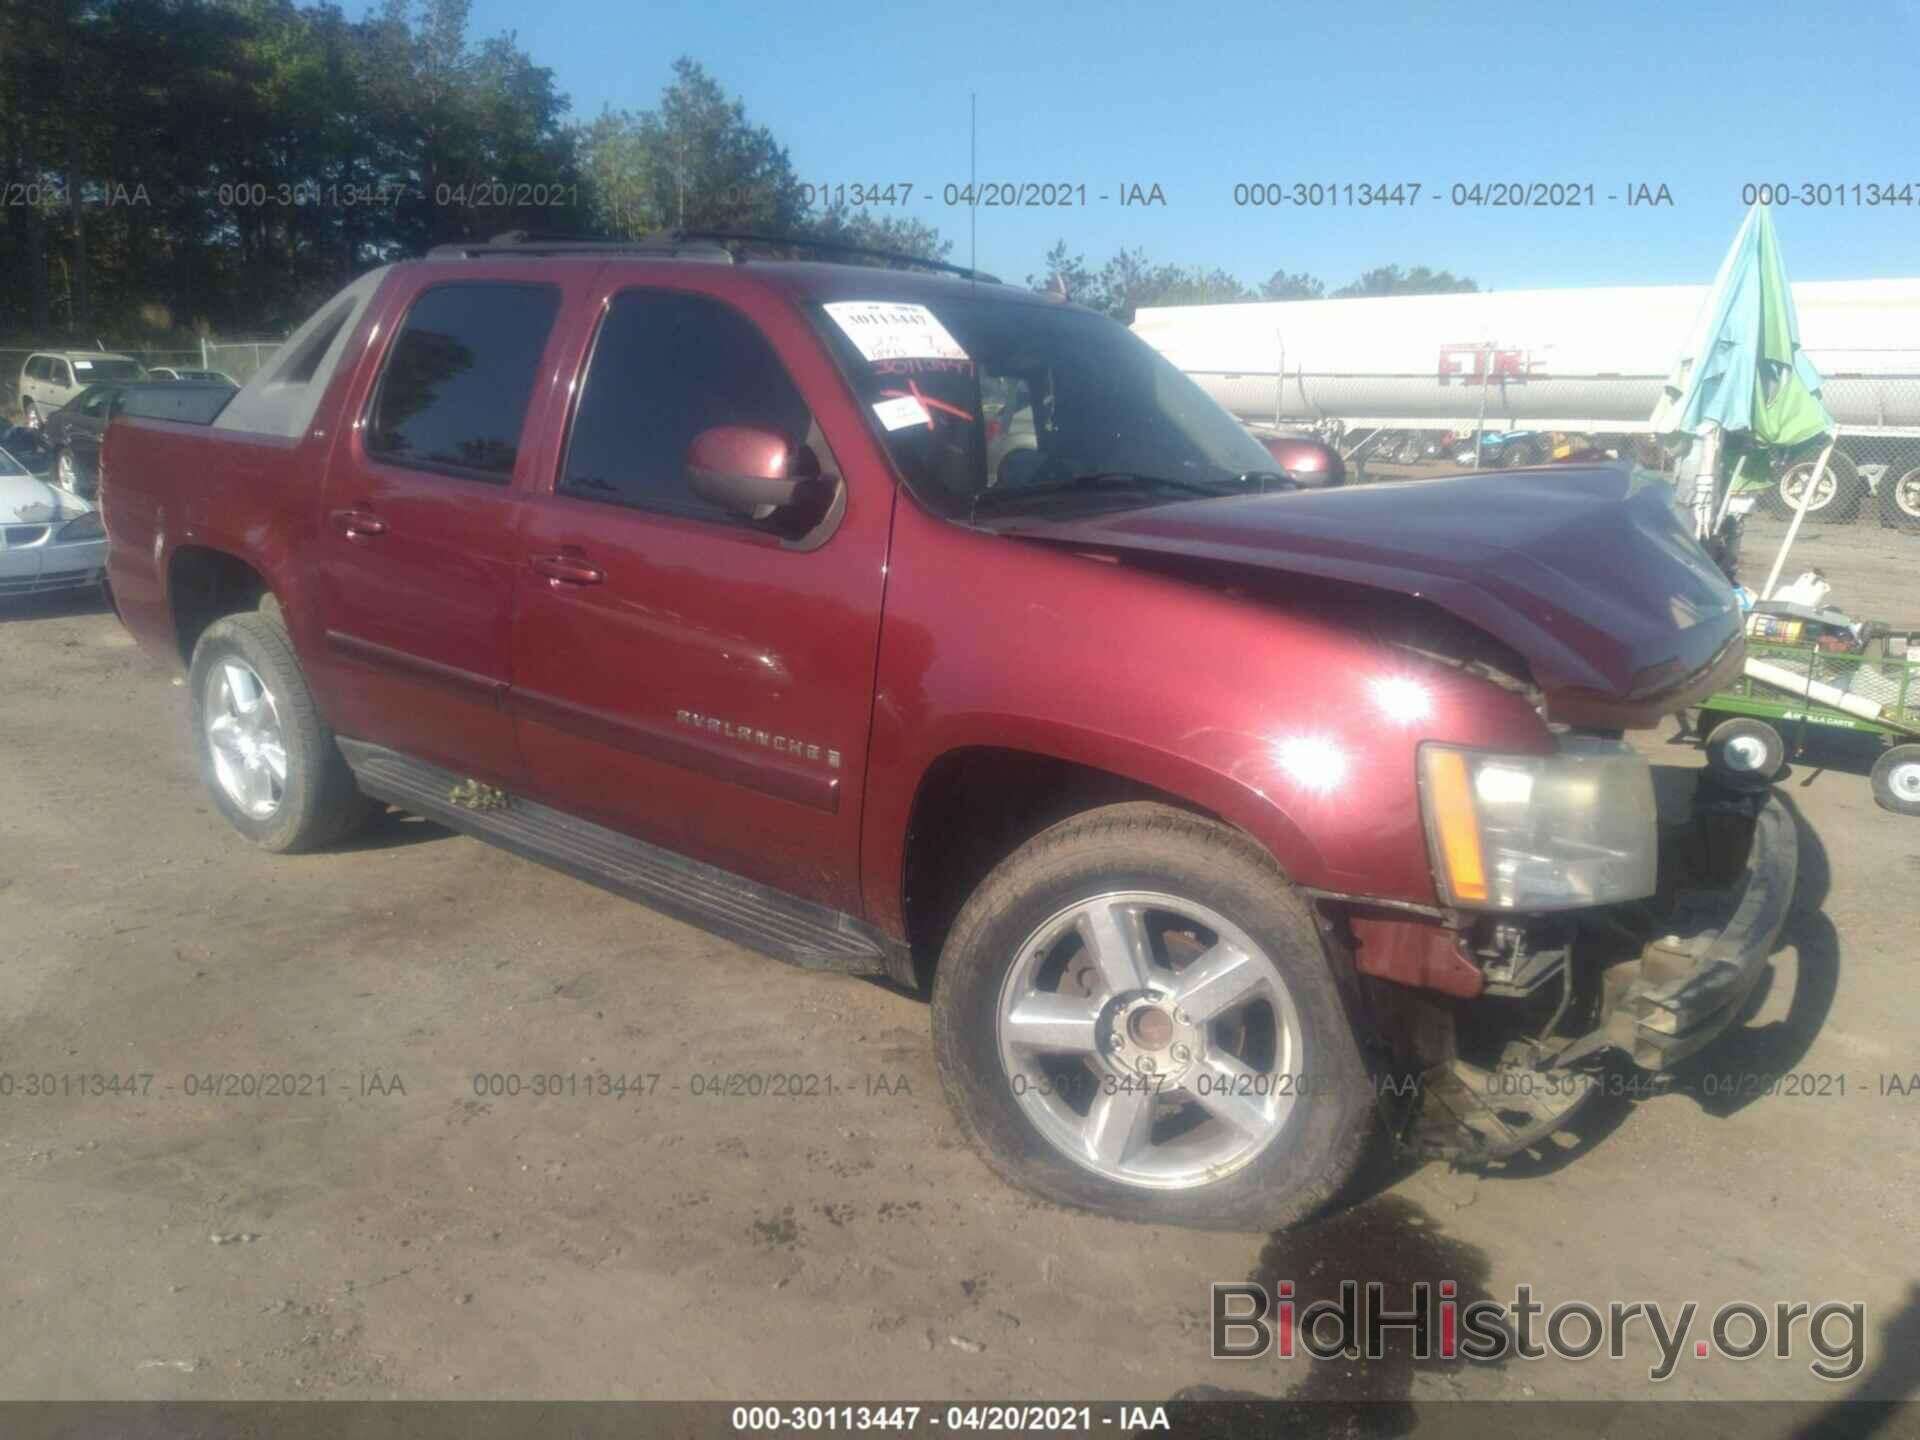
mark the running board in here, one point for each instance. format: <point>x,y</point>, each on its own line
<point>757,916</point>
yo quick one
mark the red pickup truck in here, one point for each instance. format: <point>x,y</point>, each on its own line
<point>1227,822</point>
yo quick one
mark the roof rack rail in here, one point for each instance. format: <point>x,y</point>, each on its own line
<point>838,247</point>
<point>686,245</point>
<point>541,242</point>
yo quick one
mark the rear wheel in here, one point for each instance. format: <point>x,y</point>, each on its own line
<point>1900,499</point>
<point>1521,452</point>
<point>1896,780</point>
<point>1134,1014</point>
<point>267,757</point>
<point>1745,753</point>
<point>1836,497</point>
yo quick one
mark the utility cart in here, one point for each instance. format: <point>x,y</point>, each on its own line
<point>1793,685</point>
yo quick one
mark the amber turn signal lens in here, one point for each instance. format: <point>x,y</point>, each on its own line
<point>1456,827</point>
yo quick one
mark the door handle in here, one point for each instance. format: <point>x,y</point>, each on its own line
<point>568,570</point>
<point>358,522</point>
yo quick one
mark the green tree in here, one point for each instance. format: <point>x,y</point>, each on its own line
<point>1070,275</point>
<point>693,162</point>
<point>901,234</point>
<point>1392,280</point>
<point>617,166</point>
<point>1282,286</point>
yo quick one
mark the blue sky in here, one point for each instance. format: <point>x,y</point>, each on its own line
<point>1198,98</point>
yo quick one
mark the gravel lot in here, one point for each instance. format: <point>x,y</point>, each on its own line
<point>402,1235</point>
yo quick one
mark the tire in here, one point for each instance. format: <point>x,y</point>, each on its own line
<point>313,802</point>
<point>29,415</point>
<point>1896,780</point>
<point>1838,498</point>
<point>1295,1150</point>
<point>1900,499</point>
<point>66,472</point>
<point>1707,722</point>
<point>1745,753</point>
<point>1525,452</point>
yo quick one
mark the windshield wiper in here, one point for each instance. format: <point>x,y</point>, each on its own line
<point>1099,480</point>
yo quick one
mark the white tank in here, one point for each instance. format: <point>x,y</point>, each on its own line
<point>1559,359</point>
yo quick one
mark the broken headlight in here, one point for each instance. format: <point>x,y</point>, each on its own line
<point>1540,832</point>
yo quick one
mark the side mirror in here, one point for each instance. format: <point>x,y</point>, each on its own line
<point>745,470</point>
<point>1311,464</point>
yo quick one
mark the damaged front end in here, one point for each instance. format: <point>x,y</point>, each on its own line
<point>1495,1030</point>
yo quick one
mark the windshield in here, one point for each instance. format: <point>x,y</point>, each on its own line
<point>10,466</point>
<point>87,372</point>
<point>992,406</point>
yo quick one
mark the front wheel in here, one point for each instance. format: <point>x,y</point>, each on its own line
<point>29,416</point>
<point>1134,1014</point>
<point>66,473</point>
<point>267,757</point>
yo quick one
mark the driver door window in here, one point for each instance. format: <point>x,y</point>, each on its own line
<point>666,366</point>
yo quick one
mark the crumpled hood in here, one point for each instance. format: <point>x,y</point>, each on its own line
<point>1587,572</point>
<point>27,501</point>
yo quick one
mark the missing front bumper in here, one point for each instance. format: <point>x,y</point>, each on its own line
<point>1692,982</point>
<point>1731,871</point>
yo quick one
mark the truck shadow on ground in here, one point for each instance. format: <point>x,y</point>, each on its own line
<point>391,830</point>
<point>1386,1239</point>
<point>1874,1404</point>
<point>60,605</point>
<point>1750,1062</point>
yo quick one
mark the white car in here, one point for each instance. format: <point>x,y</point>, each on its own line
<point>51,378</point>
<point>49,540</point>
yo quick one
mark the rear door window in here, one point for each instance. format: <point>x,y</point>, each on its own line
<point>61,375</point>
<point>454,394</point>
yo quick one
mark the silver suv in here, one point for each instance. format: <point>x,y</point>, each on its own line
<point>51,378</point>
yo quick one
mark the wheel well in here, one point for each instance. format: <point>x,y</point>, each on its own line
<point>977,806</point>
<point>203,586</point>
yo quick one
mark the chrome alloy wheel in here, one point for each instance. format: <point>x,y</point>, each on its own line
<point>243,733</point>
<point>1150,1040</point>
<point>66,473</point>
<point>1746,752</point>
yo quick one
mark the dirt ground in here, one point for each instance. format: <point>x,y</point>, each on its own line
<point>404,1235</point>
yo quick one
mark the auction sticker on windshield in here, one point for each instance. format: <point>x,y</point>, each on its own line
<point>888,330</point>
<point>902,411</point>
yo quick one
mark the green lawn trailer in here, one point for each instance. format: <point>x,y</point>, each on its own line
<point>1799,690</point>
